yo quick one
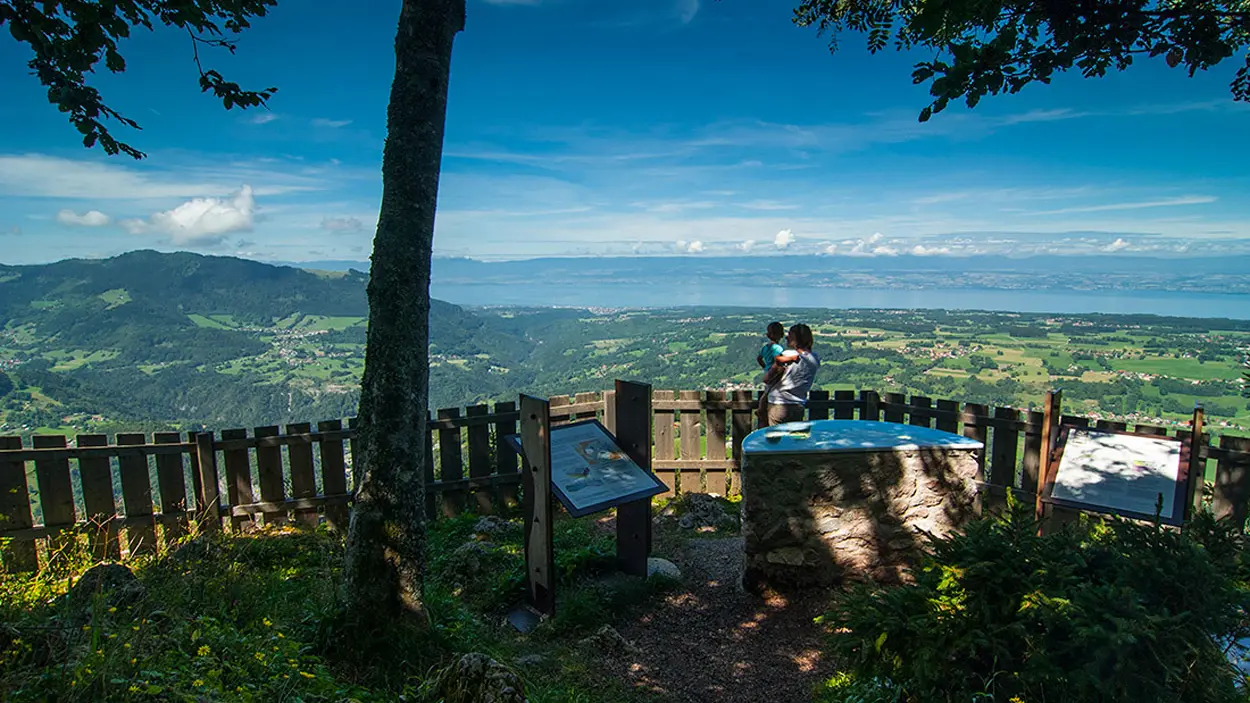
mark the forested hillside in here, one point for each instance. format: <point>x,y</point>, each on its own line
<point>149,339</point>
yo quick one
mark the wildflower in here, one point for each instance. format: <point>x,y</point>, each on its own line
<point>267,622</point>
<point>197,683</point>
<point>260,657</point>
<point>204,650</point>
<point>126,646</point>
<point>135,628</point>
<point>134,688</point>
<point>275,649</point>
<point>134,661</point>
<point>281,636</point>
<point>307,675</point>
<point>113,609</point>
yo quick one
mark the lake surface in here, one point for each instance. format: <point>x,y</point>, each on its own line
<point>676,294</point>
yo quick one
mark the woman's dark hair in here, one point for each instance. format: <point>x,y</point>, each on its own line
<point>776,330</point>
<point>802,336</point>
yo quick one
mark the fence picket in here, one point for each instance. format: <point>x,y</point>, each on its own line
<point>15,510</point>
<point>303,479</point>
<point>844,405</point>
<point>717,479</point>
<point>479,459</point>
<point>1232,480</point>
<point>892,408</point>
<point>238,477</point>
<point>920,415</point>
<point>818,405</point>
<point>949,420</point>
<point>269,472</point>
<point>505,455</point>
<point>689,479</point>
<point>172,488</point>
<point>333,473</point>
<point>664,441</point>
<point>1031,461</point>
<point>137,497</point>
<point>741,422</point>
<point>96,476</point>
<point>451,462</point>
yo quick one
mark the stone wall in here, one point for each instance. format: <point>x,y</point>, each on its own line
<point>821,519</point>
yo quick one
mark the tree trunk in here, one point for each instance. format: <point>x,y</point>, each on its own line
<point>386,538</point>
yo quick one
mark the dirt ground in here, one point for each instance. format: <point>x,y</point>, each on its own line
<point>711,641</point>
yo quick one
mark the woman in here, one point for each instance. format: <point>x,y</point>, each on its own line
<point>791,380</point>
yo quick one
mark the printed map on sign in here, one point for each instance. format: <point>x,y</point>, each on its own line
<point>1120,473</point>
<point>590,472</point>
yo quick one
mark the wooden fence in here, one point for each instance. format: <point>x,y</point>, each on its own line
<point>138,493</point>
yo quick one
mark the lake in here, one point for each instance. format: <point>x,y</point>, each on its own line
<point>678,294</point>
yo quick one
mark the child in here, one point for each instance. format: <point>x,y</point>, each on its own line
<point>767,356</point>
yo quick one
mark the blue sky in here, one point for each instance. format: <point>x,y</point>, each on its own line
<point>584,127</point>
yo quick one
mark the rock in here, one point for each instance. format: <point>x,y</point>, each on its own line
<point>470,560</point>
<point>696,511</point>
<point>476,678</point>
<point>531,660</point>
<point>491,524</point>
<point>113,583</point>
<point>792,556</point>
<point>662,568</point>
<point>608,641</point>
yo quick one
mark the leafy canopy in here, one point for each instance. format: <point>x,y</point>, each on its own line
<point>70,37</point>
<point>996,46</point>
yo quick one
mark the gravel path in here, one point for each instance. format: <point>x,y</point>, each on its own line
<point>714,642</point>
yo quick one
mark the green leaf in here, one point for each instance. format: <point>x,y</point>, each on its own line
<point>880,641</point>
<point>925,114</point>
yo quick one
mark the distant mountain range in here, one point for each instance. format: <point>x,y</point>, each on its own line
<point>1081,273</point>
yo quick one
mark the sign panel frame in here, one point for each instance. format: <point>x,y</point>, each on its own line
<point>602,451</point>
<point>1180,488</point>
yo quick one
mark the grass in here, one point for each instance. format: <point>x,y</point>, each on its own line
<point>248,618</point>
<point>202,321</point>
<point>1180,368</point>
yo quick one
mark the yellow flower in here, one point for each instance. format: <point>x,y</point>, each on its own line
<point>113,610</point>
<point>204,650</point>
<point>135,628</point>
<point>282,636</point>
<point>127,645</point>
<point>307,675</point>
<point>134,688</point>
<point>267,622</point>
<point>275,649</point>
<point>197,683</point>
<point>134,661</point>
<point>260,657</point>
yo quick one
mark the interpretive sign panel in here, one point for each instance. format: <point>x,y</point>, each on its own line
<point>1115,472</point>
<point>590,472</point>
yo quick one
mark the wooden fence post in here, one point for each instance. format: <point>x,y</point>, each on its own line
<point>172,487</point>
<point>210,502</point>
<point>540,563</point>
<point>690,480</point>
<point>96,475</point>
<point>1051,414</point>
<point>1195,466</point>
<point>333,473</point>
<point>1232,480</point>
<point>633,434</point>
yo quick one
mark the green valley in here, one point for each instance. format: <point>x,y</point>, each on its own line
<point>148,340</point>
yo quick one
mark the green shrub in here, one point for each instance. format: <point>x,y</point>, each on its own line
<point>1101,611</point>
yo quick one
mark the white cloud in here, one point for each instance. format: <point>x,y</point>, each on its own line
<point>41,176</point>
<point>334,124</point>
<point>748,245</point>
<point>876,237</point>
<point>262,117</point>
<point>342,224</point>
<point>885,251</point>
<point>90,218</point>
<point>695,247</point>
<point>783,239</point>
<point>922,250</point>
<point>202,221</point>
<point>830,249</point>
<point>1117,245</point>
<point>1166,202</point>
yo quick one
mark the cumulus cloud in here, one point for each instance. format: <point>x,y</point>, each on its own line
<point>1117,245</point>
<point>748,245</point>
<point>695,247</point>
<point>783,239</point>
<point>342,224</point>
<point>202,221</point>
<point>885,251</point>
<point>922,250</point>
<point>90,218</point>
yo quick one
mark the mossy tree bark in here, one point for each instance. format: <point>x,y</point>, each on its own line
<point>386,538</point>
